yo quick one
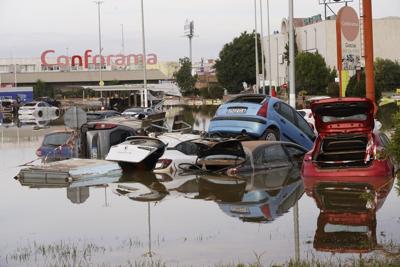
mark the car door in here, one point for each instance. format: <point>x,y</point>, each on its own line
<point>287,123</point>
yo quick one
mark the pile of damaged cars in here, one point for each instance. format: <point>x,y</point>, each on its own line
<point>257,159</point>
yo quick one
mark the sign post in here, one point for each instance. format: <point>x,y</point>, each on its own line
<point>348,50</point>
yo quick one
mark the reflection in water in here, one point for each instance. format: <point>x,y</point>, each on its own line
<point>347,219</point>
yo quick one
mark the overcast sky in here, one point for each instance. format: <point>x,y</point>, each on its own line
<point>29,27</point>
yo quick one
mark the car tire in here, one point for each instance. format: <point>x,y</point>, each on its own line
<point>40,113</point>
<point>271,135</point>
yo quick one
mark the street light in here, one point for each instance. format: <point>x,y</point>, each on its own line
<point>144,59</point>
<point>269,52</point>
<point>101,83</point>
<point>292,94</point>
<point>256,44</point>
<point>262,48</point>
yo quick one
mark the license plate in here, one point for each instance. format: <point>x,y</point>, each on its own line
<point>241,210</point>
<point>237,110</point>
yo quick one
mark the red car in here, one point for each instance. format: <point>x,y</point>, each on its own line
<point>347,149</point>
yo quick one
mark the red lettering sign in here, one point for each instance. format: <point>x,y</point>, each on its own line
<point>86,59</point>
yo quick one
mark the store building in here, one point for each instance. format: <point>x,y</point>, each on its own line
<point>316,35</point>
<point>83,69</point>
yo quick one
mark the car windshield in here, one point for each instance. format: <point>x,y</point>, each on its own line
<point>257,99</point>
<point>56,139</point>
<point>93,116</point>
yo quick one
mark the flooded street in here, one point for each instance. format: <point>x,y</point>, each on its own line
<point>200,222</point>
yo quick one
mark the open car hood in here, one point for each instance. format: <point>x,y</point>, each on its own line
<point>342,115</point>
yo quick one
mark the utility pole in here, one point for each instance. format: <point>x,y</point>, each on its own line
<point>269,53</point>
<point>122,40</point>
<point>144,59</point>
<point>189,33</point>
<point>369,50</point>
<point>262,49</point>
<point>101,83</point>
<point>256,44</point>
<point>292,91</point>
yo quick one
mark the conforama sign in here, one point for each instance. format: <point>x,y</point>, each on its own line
<point>87,58</point>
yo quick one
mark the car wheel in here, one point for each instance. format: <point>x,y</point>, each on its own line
<point>271,135</point>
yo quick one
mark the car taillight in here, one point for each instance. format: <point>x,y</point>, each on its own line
<point>263,111</point>
<point>266,211</point>
<point>232,171</point>
<point>163,163</point>
<point>104,126</point>
<point>39,152</point>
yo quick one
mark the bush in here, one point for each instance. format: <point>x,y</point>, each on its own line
<point>394,147</point>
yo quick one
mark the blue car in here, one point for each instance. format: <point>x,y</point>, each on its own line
<point>58,145</point>
<point>261,117</point>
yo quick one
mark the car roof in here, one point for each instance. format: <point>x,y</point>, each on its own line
<point>173,139</point>
<point>253,145</point>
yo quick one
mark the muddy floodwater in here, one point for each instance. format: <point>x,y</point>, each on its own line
<point>96,224</point>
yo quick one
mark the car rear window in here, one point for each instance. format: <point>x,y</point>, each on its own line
<point>56,139</point>
<point>356,117</point>
<point>257,99</point>
<point>93,116</point>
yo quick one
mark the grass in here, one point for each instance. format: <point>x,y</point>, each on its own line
<point>84,253</point>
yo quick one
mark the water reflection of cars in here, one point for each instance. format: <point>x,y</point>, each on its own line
<point>261,117</point>
<point>58,145</point>
<point>261,205</point>
<point>347,148</point>
<point>347,219</point>
<point>38,109</point>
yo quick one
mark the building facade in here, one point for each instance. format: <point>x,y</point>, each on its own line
<point>317,35</point>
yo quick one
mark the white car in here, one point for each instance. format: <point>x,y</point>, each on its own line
<point>180,150</point>
<point>308,116</point>
<point>38,109</point>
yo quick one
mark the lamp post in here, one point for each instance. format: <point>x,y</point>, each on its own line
<point>256,46</point>
<point>144,58</point>
<point>101,83</point>
<point>277,62</point>
<point>292,85</point>
<point>262,48</point>
<point>269,52</point>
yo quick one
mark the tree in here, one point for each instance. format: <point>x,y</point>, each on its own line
<point>41,88</point>
<point>387,74</point>
<point>356,87</point>
<point>236,63</point>
<point>312,74</point>
<point>184,77</point>
<point>296,50</point>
